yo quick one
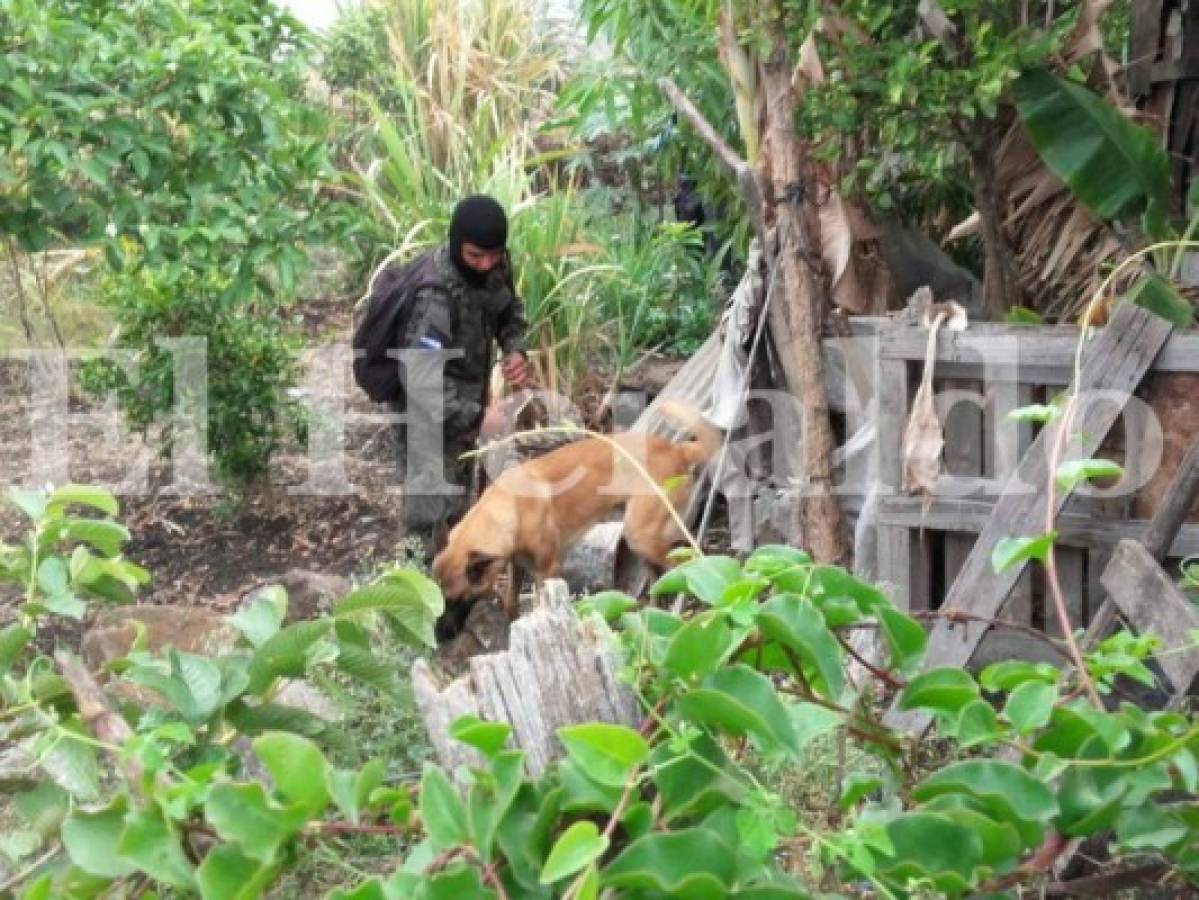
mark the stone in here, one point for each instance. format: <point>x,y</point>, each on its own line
<point>310,595</point>
<point>191,629</point>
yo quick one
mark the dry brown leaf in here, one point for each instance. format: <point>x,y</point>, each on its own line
<point>935,20</point>
<point>968,226</point>
<point>1086,37</point>
<point>924,437</point>
<point>809,69</point>
<point>854,274</point>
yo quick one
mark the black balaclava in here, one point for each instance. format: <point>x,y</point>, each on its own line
<point>479,220</point>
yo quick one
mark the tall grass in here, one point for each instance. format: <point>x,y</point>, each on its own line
<point>472,83</point>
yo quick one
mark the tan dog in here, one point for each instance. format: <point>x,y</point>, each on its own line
<point>534,512</point>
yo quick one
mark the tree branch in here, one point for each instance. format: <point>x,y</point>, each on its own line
<point>747,179</point>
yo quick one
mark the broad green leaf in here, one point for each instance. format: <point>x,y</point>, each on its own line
<point>977,724</point>
<point>738,700</point>
<point>943,691</point>
<point>364,666</point>
<point>298,768</point>
<point>692,862</point>
<point>856,786</point>
<point>44,808</point>
<point>486,737</point>
<point>705,578</point>
<point>578,846</point>
<point>13,640</point>
<point>457,882</point>
<point>933,846</point>
<point>441,809</point>
<point>73,765</point>
<point>905,638</point>
<point>91,839</point>
<point>371,890</point>
<point>150,844</point>
<point>107,537</point>
<point>1073,473</point>
<point>607,753</point>
<point>691,784</point>
<point>699,647</point>
<point>285,654</point>
<point>787,568</point>
<point>85,495</point>
<point>202,680</point>
<point>262,618</point>
<point>1160,297</point>
<point>811,721</point>
<point>1028,797</point>
<point>583,794</point>
<point>797,624</point>
<point>227,874</point>
<point>589,889</point>
<point>1112,165</point>
<point>1012,550</point>
<point>264,717</point>
<point>411,599</point>
<point>340,784</point>
<point>1037,413</point>
<point>1030,705</point>
<point>1090,800</point>
<point>609,605</point>
<point>32,503</point>
<point>242,814</point>
<point>833,583</point>
<point>40,889</point>
<point>490,797</point>
<point>1011,673</point>
<point>1149,828</point>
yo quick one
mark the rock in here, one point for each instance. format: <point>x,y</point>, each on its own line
<point>310,595</point>
<point>192,629</point>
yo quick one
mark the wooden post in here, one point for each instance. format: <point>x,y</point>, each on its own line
<point>556,671</point>
<point>796,323</point>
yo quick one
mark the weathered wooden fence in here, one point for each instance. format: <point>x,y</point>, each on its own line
<point>981,375</point>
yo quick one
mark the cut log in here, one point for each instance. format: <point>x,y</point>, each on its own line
<point>1115,363</point>
<point>556,671</point>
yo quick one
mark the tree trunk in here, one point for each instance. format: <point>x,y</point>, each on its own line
<point>1001,290</point>
<point>796,321</point>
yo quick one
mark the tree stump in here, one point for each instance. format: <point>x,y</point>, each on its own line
<point>556,671</point>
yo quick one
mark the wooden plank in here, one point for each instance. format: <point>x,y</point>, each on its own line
<point>1149,601</point>
<point>1033,348</point>
<point>971,516</point>
<point>1116,361</point>
<point>1006,441</point>
<point>894,541</point>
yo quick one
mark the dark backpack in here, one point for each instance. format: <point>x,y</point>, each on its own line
<point>380,324</point>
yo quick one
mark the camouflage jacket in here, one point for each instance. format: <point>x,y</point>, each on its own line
<point>457,316</point>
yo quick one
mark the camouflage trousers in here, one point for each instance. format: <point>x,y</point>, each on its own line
<point>430,515</point>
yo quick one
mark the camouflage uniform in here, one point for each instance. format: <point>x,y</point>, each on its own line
<point>452,316</point>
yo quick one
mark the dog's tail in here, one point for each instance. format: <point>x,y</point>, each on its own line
<point>707,436</point>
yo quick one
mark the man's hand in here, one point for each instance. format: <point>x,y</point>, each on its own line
<point>515,368</point>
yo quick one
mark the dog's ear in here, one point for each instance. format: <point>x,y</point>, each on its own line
<point>477,565</point>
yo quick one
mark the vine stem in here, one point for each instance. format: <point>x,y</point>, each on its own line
<point>1058,450</point>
